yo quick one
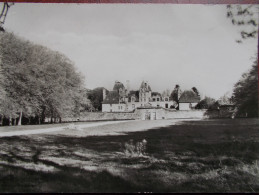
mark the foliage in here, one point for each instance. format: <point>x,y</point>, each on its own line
<point>38,81</point>
<point>166,93</point>
<point>245,94</point>
<point>96,97</point>
<point>195,90</point>
<point>137,149</point>
<point>226,99</point>
<point>246,18</point>
<point>206,103</point>
<point>175,95</point>
<point>82,103</point>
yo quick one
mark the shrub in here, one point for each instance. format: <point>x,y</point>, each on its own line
<point>137,149</point>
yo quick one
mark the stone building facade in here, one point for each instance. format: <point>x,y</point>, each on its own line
<point>122,99</point>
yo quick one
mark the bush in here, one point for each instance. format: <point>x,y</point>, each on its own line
<point>137,149</point>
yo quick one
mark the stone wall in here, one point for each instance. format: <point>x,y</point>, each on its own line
<point>152,114</point>
<point>103,116</point>
<point>140,114</point>
<point>178,114</point>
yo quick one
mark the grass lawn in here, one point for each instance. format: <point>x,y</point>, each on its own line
<point>191,156</point>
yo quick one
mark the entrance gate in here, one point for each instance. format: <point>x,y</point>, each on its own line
<point>147,116</point>
<point>153,116</point>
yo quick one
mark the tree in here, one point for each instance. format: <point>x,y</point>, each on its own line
<point>206,103</point>
<point>38,82</point>
<point>96,97</point>
<point>175,95</point>
<point>166,93</point>
<point>245,95</point>
<point>246,18</point>
<point>3,14</point>
<point>13,64</point>
<point>195,90</point>
<point>226,99</point>
<point>82,103</point>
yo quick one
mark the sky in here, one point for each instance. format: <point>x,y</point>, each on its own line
<point>164,44</point>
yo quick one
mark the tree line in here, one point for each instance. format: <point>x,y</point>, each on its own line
<point>245,93</point>
<point>244,96</point>
<point>36,83</point>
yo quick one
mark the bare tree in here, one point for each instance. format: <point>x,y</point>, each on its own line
<point>3,14</point>
<point>246,17</point>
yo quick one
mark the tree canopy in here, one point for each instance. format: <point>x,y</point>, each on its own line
<point>206,103</point>
<point>96,97</point>
<point>245,17</point>
<point>36,80</point>
<point>245,94</point>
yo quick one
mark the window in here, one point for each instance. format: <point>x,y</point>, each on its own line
<point>166,105</point>
<point>166,99</point>
<point>157,99</point>
<point>154,99</point>
<point>119,107</point>
<point>133,106</point>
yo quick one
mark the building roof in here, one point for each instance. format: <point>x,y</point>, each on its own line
<point>189,97</point>
<point>118,85</point>
<point>145,85</point>
<point>155,94</point>
<point>112,98</point>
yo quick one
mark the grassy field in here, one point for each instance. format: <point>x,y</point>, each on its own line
<point>191,156</point>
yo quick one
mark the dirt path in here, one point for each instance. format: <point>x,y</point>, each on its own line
<point>55,129</point>
<point>118,129</point>
<point>96,128</point>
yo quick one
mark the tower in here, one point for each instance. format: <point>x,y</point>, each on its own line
<point>144,92</point>
<point>128,86</point>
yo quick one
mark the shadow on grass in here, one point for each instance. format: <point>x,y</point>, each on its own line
<point>194,156</point>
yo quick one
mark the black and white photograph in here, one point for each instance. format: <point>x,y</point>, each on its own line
<point>128,98</point>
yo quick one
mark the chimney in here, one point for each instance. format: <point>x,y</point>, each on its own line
<point>104,93</point>
<point>128,85</point>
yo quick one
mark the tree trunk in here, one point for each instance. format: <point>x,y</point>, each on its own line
<point>43,114</point>
<point>2,120</point>
<point>20,119</point>
<point>60,120</point>
<point>14,123</point>
<point>39,120</point>
<point>10,121</point>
